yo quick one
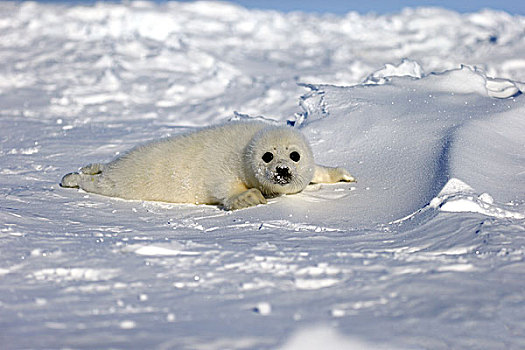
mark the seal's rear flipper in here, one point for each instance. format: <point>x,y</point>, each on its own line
<point>70,180</point>
<point>92,169</point>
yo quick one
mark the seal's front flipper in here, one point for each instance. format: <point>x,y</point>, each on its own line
<point>245,199</point>
<point>325,174</point>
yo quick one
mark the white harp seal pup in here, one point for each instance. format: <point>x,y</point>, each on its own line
<point>234,165</point>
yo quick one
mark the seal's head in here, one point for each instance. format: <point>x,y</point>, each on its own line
<point>279,161</point>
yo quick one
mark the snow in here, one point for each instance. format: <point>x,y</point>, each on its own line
<point>424,107</point>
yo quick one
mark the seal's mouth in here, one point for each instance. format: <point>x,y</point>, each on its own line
<point>282,175</point>
<point>282,180</point>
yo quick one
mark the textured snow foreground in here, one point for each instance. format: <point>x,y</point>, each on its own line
<point>425,251</point>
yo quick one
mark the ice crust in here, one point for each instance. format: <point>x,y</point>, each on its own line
<point>424,107</point>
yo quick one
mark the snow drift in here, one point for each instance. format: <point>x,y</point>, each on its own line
<point>407,138</point>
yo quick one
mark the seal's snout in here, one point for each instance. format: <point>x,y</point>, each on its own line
<point>283,175</point>
<point>283,170</point>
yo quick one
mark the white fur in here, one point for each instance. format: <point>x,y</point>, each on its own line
<point>216,165</point>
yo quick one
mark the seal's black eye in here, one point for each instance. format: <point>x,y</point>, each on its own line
<point>267,157</point>
<point>295,156</point>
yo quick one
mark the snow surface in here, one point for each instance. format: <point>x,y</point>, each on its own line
<point>424,107</point>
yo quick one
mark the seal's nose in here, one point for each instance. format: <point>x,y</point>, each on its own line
<point>283,175</point>
<point>283,171</point>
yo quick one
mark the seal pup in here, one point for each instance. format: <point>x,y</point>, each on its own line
<point>235,165</point>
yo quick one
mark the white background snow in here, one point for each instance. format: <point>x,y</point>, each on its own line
<point>424,107</point>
